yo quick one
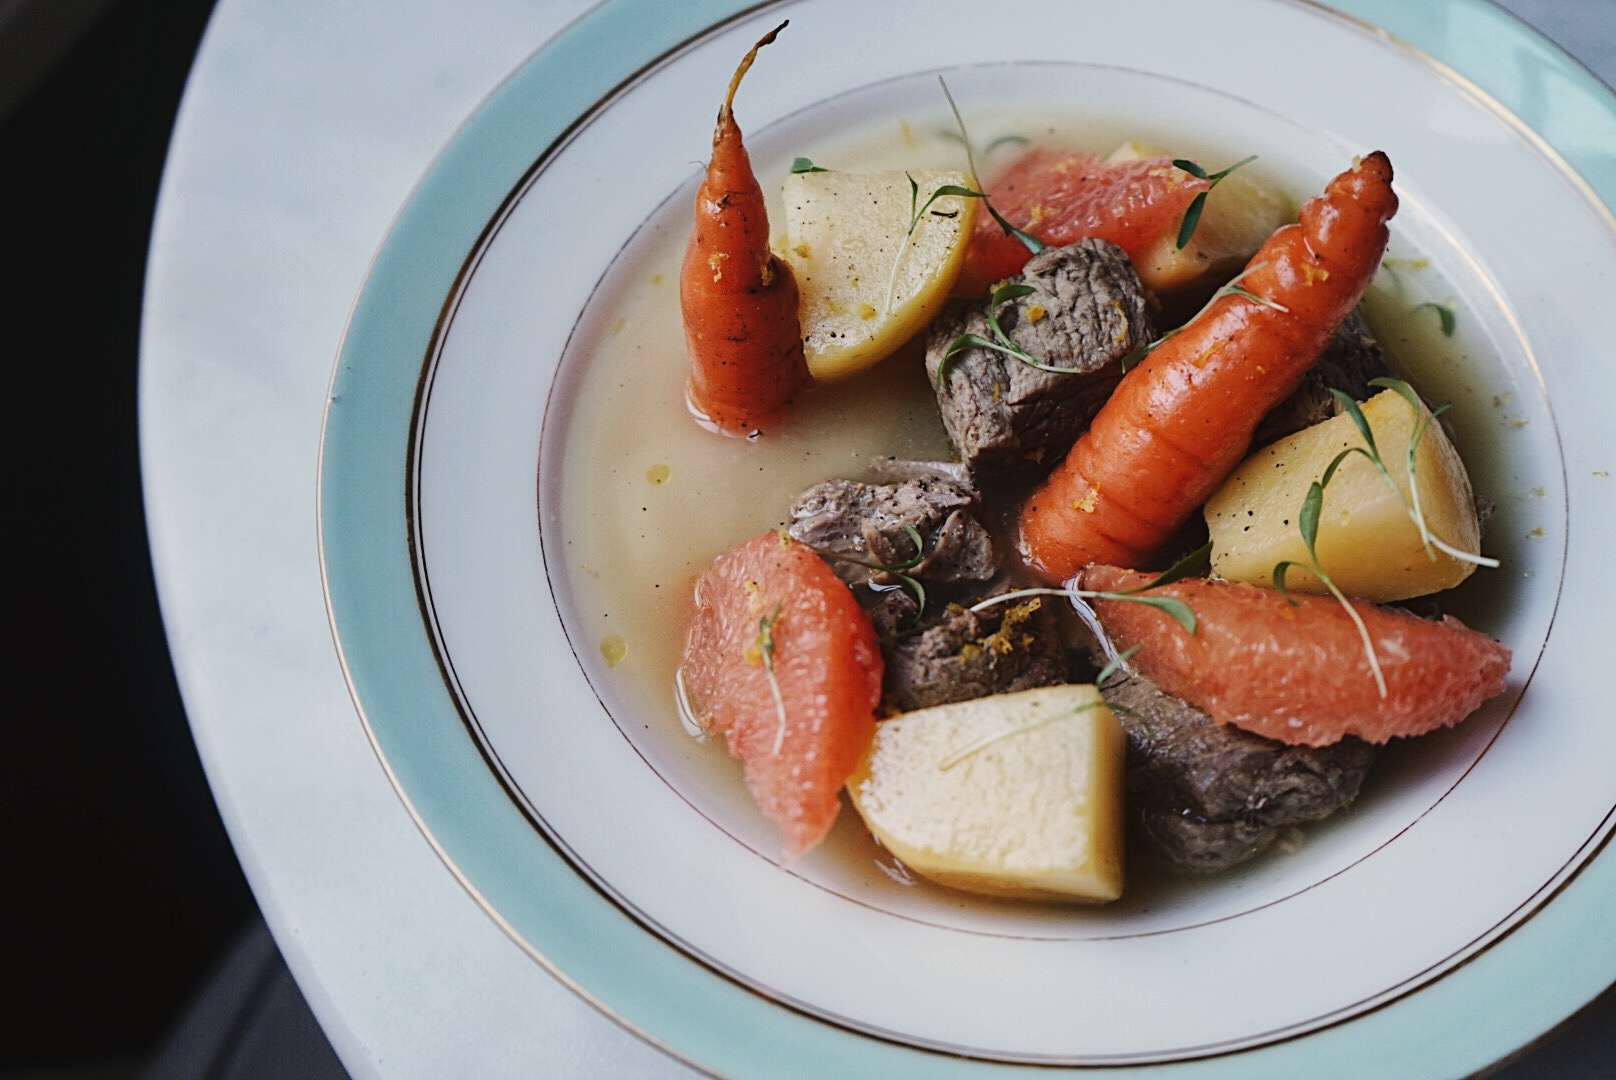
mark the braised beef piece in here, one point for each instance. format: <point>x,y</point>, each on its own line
<point>893,609</point>
<point>1208,795</point>
<point>1350,359</point>
<point>856,523</point>
<point>968,654</point>
<point>1087,311</point>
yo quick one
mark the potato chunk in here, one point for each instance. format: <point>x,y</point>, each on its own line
<point>1012,795</point>
<point>1366,540</point>
<point>869,283</point>
<point>1241,211</point>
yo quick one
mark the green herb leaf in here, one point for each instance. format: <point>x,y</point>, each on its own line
<point>1008,292</point>
<point>1002,140</point>
<point>1411,503</point>
<point>1177,609</point>
<point>985,741</point>
<point>1116,663</point>
<point>1335,462</point>
<point>765,648</point>
<point>1444,314</point>
<point>1004,294</point>
<point>1350,407</point>
<point>1220,174</point>
<point>1308,521</point>
<point>803,165</point>
<point>1403,389</point>
<point>1192,213</point>
<point>1139,352</point>
<point>920,551</point>
<point>1189,566</point>
<point>1192,218</point>
<point>969,341</point>
<point>1280,569</point>
<point>1029,241</point>
<point>954,189</point>
<point>919,591</point>
<point>1312,507</point>
<point>1352,612</point>
<point>1357,620</point>
<point>896,570</point>
<point>959,345</point>
<point>1232,289</point>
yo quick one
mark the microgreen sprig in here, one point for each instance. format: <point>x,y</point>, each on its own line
<point>942,192</point>
<point>1444,315</point>
<point>1309,525</point>
<point>1001,341</point>
<point>765,649</point>
<point>1192,213</point>
<point>896,570</point>
<point>1447,321</point>
<point>1313,503</point>
<point>1032,243</point>
<point>918,209</point>
<point>1029,241</point>
<point>1230,288</point>
<point>985,741</point>
<point>1116,663</point>
<point>805,165</point>
<point>1002,140</point>
<point>1424,419</point>
<point>1171,606</point>
<point>1113,666</point>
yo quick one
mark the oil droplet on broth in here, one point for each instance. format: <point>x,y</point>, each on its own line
<point>613,648</point>
<point>658,474</point>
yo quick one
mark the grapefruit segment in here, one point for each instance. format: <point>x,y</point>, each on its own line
<point>1061,196</point>
<point>1298,673</point>
<point>781,661</point>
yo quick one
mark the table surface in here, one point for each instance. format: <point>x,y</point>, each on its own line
<point>302,131</point>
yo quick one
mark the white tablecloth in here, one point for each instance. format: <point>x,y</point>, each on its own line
<point>304,127</point>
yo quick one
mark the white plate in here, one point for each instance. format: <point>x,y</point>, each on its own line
<point>562,790</point>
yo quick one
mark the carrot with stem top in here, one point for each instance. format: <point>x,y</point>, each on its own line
<point>1183,418</point>
<point>739,302</point>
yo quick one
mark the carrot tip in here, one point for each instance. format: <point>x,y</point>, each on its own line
<point>745,65</point>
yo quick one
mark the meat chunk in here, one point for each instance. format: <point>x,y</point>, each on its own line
<point>893,610</point>
<point>860,526</point>
<point>1208,796</point>
<point>1350,359</point>
<point>1087,310</point>
<point>968,654</point>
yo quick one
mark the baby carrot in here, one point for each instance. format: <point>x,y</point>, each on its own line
<point>1183,418</point>
<point>739,302</point>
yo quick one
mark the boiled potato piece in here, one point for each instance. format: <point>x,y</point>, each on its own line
<point>1013,795</point>
<point>1366,540</point>
<point>1241,211</point>
<point>868,282</point>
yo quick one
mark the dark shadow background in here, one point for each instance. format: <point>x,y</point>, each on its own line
<point>121,890</point>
